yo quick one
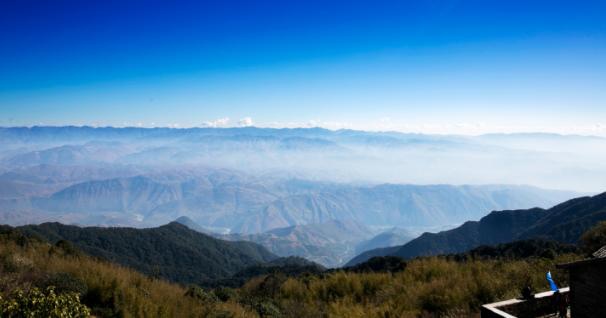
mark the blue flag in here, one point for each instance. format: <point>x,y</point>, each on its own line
<point>551,282</point>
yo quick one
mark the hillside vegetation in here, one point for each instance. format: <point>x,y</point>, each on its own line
<point>443,286</point>
<point>173,251</point>
<point>106,289</point>
<point>427,286</point>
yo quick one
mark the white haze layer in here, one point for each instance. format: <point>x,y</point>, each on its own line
<point>550,161</point>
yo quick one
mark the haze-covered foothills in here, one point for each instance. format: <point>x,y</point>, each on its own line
<point>314,193</point>
<point>331,243</point>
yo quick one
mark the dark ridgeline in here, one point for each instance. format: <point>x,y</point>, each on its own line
<point>565,223</point>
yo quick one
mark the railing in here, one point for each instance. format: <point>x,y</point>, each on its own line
<point>542,305</point>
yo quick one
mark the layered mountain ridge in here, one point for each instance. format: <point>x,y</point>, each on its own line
<point>564,223</point>
<point>252,205</point>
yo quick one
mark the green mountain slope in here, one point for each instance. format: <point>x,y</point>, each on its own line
<point>172,251</point>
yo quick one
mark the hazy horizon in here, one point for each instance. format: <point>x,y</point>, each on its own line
<point>311,126</point>
<point>549,161</point>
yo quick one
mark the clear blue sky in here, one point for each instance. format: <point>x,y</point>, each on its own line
<point>435,66</point>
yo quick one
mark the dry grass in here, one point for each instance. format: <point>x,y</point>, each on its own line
<point>428,287</point>
<point>112,290</point>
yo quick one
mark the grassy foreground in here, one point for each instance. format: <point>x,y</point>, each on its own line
<point>108,290</point>
<point>428,287</point>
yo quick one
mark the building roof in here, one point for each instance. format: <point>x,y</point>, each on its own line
<point>599,256</point>
<point>601,253</point>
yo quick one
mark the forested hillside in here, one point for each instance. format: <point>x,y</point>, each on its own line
<point>173,251</point>
<point>29,267</point>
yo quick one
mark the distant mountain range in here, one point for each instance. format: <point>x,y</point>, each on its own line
<point>243,204</point>
<point>544,160</point>
<point>226,200</point>
<point>564,223</point>
<point>316,193</point>
<point>396,205</point>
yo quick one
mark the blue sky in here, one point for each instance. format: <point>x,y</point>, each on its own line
<point>423,66</point>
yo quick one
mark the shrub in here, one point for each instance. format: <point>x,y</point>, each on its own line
<point>36,303</point>
<point>201,295</point>
<point>267,308</point>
